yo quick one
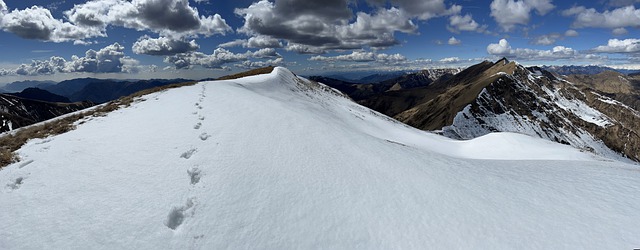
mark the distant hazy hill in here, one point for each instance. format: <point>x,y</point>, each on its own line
<point>41,95</point>
<point>584,70</point>
<point>104,90</point>
<point>21,85</point>
<point>360,91</point>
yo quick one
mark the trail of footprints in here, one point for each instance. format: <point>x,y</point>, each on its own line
<point>178,214</point>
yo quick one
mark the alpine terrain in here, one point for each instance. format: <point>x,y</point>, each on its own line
<point>277,161</point>
<point>16,111</point>
<point>594,113</point>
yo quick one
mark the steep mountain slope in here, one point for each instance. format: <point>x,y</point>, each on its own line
<point>594,113</point>
<point>17,112</point>
<point>276,161</point>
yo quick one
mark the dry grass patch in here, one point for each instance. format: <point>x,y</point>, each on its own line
<point>14,140</point>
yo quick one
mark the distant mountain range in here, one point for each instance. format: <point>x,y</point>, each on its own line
<point>361,91</point>
<point>85,89</point>
<point>585,70</point>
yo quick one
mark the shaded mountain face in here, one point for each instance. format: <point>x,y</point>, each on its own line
<point>597,113</point>
<point>17,112</point>
<point>40,95</point>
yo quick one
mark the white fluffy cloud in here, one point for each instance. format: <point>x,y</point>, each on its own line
<point>218,58</point>
<point>304,49</point>
<point>619,46</point>
<point>38,23</point>
<point>503,48</point>
<point>110,59</point>
<point>548,39</point>
<point>500,48</point>
<point>622,17</point>
<point>454,41</point>
<point>263,42</point>
<point>163,46</point>
<point>362,56</point>
<point>449,60</point>
<point>260,64</point>
<point>571,33</point>
<point>459,23</point>
<point>509,13</point>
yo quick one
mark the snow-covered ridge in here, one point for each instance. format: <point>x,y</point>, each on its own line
<point>277,161</point>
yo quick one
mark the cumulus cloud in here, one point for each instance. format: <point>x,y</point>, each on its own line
<point>459,23</point>
<point>454,41</point>
<point>263,42</point>
<point>503,48</point>
<point>509,13</point>
<point>361,56</point>
<point>165,17</point>
<point>304,49</point>
<point>448,60</point>
<point>218,58</point>
<point>548,39</point>
<point>38,23</point>
<point>619,31</point>
<point>170,18</point>
<point>260,64</point>
<point>163,46</point>
<point>110,59</point>
<point>571,33</point>
<point>619,46</point>
<point>315,26</point>
<point>264,53</point>
<point>622,17</point>
<point>500,48</point>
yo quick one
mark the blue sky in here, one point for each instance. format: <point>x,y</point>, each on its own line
<point>199,38</point>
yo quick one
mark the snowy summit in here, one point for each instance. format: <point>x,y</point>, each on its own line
<point>280,162</point>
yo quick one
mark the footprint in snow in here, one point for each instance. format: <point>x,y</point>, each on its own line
<point>194,175</point>
<point>16,184</point>
<point>201,118</point>
<point>204,136</point>
<point>188,154</point>
<point>197,126</point>
<point>177,215</point>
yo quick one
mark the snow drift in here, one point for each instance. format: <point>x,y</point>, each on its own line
<point>276,161</point>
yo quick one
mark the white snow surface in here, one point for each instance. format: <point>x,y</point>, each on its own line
<point>277,162</point>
